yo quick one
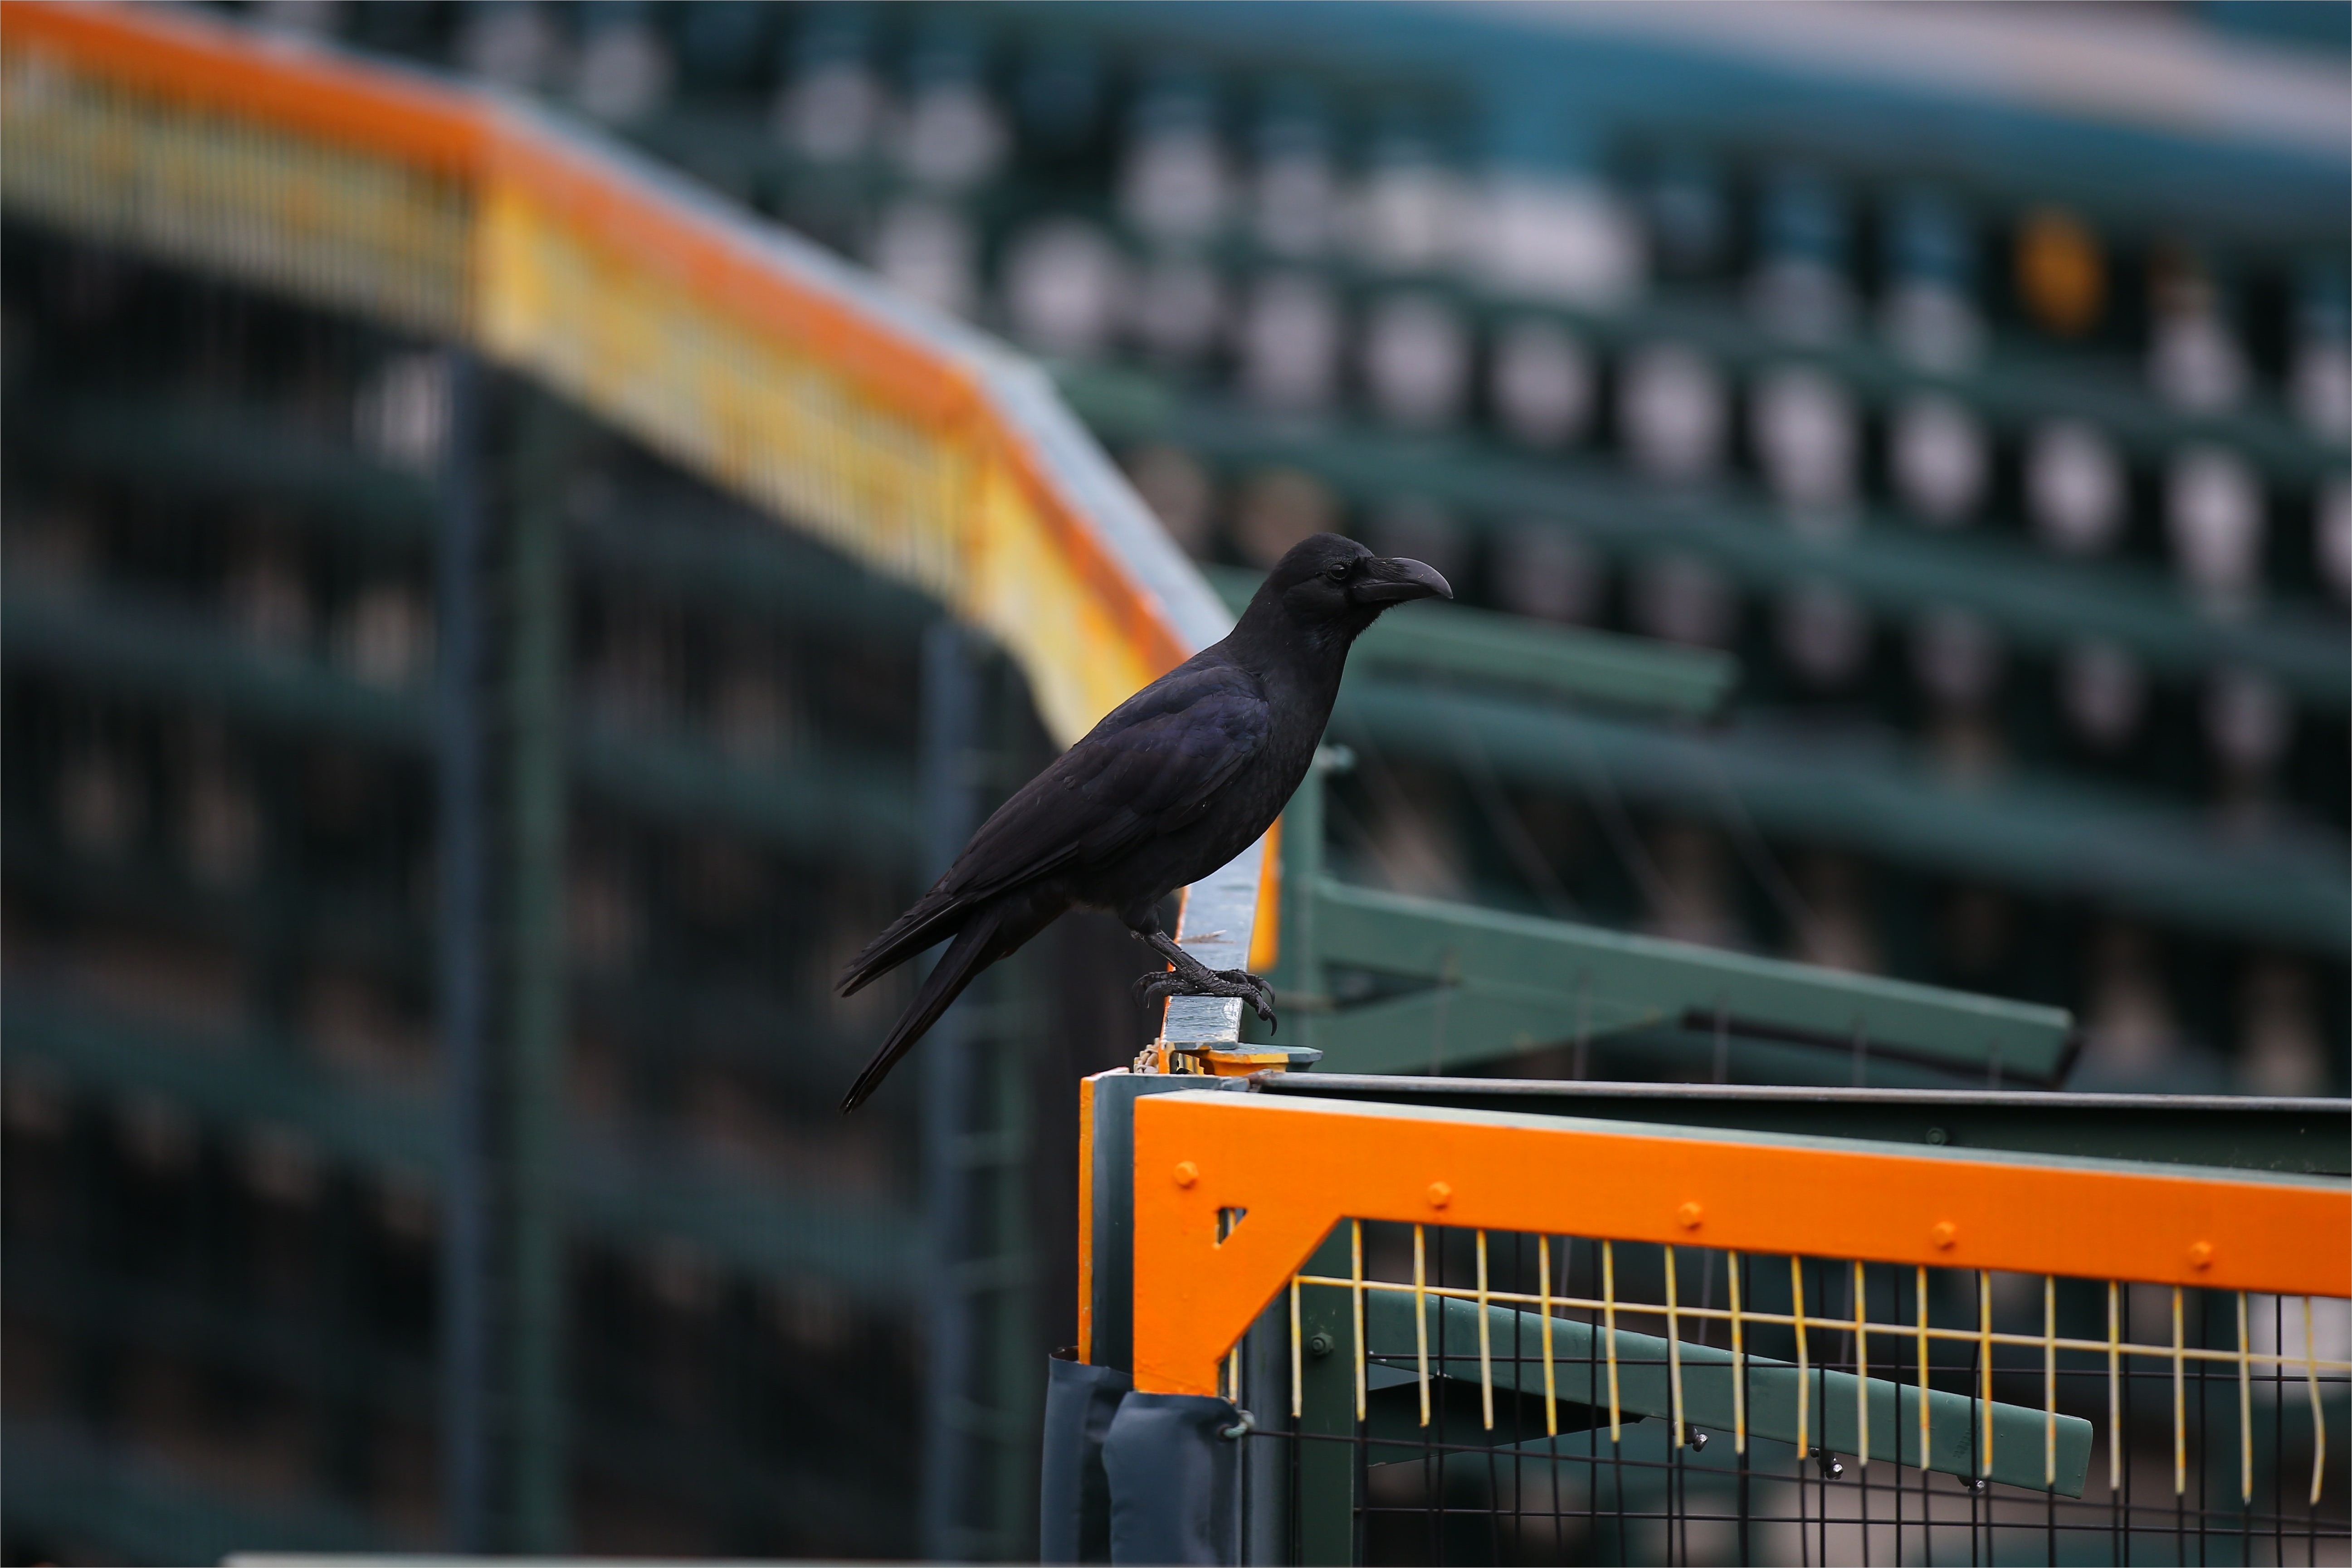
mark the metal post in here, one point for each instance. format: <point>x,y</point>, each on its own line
<point>950,730</point>
<point>538,645</point>
<point>463,965</point>
<point>503,666</point>
<point>1002,1151</point>
<point>1297,974</point>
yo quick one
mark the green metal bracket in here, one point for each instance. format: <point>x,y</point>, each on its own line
<point>1485,647</point>
<point>1478,983</point>
<point>1581,1378</point>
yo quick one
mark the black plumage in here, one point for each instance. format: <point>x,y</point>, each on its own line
<point>1177,780</point>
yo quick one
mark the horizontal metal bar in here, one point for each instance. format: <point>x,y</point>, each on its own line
<point>2041,604</point>
<point>1446,943</point>
<point>149,650</point>
<point>705,544</point>
<point>2231,1132</point>
<point>623,1189</point>
<point>1469,1020</point>
<point>2263,166</point>
<point>302,1352</point>
<point>2037,834</point>
<point>1579,1375</point>
<point>2016,384</point>
<point>64,1484</point>
<point>672,1004</point>
<point>1524,655</point>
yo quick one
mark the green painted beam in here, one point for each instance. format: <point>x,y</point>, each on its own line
<point>2280,884</point>
<point>1580,1376</point>
<point>2043,605</point>
<point>153,650</point>
<point>657,531</point>
<point>2017,383</point>
<point>679,1005</point>
<point>69,1491</point>
<point>1472,1020</point>
<point>617,1187</point>
<point>1485,647</point>
<point>1590,975</point>
<point>117,1493</point>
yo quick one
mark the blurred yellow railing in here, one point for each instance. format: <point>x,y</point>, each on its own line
<point>745,355</point>
<point>897,436</point>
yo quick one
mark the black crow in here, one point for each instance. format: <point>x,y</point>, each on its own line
<point>1179,780</point>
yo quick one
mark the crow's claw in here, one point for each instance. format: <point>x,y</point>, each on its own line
<point>1251,989</point>
<point>1160,984</point>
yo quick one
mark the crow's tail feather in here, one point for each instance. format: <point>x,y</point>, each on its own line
<point>973,949</point>
<point>934,916</point>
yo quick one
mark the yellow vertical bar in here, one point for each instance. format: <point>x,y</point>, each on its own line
<point>1486,1350</point>
<point>1921,1294</point>
<point>2245,1408</point>
<point>1609,1324</point>
<point>2319,1420</point>
<point>2114,1387</point>
<point>1297,1371</point>
<point>1234,1373</point>
<point>1543,1288</point>
<point>1861,1366</point>
<point>1421,1322</point>
<point>1738,1364</point>
<point>1804,1380</point>
<point>1356,1274</point>
<point>1673,1348</point>
<point>1984,1362</point>
<point>2179,1405</point>
<point>2048,1380</point>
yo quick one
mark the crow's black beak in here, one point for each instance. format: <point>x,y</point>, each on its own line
<point>1396,579</point>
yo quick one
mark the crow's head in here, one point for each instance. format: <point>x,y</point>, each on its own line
<point>1328,581</point>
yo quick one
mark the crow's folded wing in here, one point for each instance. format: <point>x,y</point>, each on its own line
<point>1155,762</point>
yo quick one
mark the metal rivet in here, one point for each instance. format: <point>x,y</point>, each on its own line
<point>1944,1233</point>
<point>2201,1254</point>
<point>1440,1194</point>
<point>1938,1136</point>
<point>1690,1214</point>
<point>1187,1173</point>
<point>1319,1344</point>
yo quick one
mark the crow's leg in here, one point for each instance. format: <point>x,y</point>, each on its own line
<point>1193,978</point>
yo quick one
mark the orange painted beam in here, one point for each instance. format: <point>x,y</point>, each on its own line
<point>1163,650</point>
<point>1299,1167</point>
<point>635,222</point>
<point>310,91</point>
<point>185,56</point>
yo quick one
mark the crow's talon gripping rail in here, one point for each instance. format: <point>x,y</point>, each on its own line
<point>1159,985</point>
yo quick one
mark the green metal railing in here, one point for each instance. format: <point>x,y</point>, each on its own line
<point>1469,986</point>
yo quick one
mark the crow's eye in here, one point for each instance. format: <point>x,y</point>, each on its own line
<point>1337,573</point>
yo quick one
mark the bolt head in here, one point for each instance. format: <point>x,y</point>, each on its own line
<point>2201,1254</point>
<point>1689,1215</point>
<point>1187,1173</point>
<point>1319,1344</point>
<point>1440,1194</point>
<point>1943,1233</point>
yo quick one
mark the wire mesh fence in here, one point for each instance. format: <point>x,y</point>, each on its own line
<point>1473,1396</point>
<point>1475,1336</point>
